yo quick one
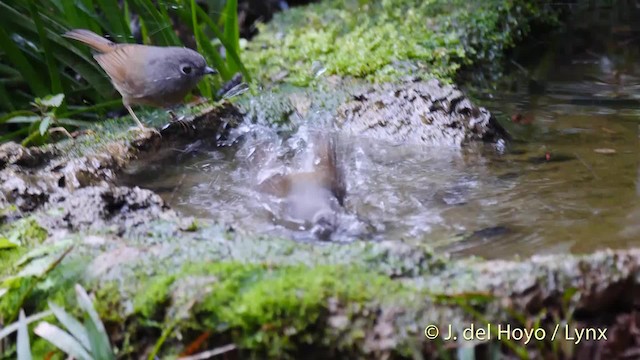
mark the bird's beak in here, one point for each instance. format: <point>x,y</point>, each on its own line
<point>209,70</point>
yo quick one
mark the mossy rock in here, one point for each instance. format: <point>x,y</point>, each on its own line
<point>384,41</point>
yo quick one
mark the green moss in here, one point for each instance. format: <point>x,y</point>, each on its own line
<point>386,40</point>
<point>150,302</point>
<point>268,309</point>
<point>8,257</point>
<point>18,289</point>
<point>279,309</point>
<point>25,232</point>
<point>37,282</point>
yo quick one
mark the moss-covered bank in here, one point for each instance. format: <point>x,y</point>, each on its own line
<point>387,40</point>
<point>162,285</point>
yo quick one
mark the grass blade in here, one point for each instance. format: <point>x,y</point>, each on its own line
<point>88,8</point>
<point>159,26</point>
<point>5,100</point>
<point>232,30</point>
<point>24,349</point>
<point>54,73</point>
<point>99,336</point>
<point>99,348</point>
<point>70,54</point>
<point>73,16</point>
<point>13,136</point>
<point>205,86</point>
<point>92,108</point>
<point>72,325</point>
<point>73,122</point>
<point>6,117</point>
<point>24,119</point>
<point>10,329</point>
<point>117,23</point>
<point>20,62</point>
<point>62,340</point>
<point>230,48</point>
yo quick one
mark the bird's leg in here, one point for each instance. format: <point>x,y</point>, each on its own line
<point>135,117</point>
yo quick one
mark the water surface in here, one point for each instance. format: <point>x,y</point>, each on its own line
<point>568,184</point>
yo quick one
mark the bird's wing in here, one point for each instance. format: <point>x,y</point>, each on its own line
<point>126,68</point>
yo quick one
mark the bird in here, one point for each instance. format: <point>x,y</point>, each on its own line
<point>312,196</point>
<point>158,76</point>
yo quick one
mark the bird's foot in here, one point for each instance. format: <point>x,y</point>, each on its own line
<point>180,120</point>
<point>144,129</point>
<point>61,130</point>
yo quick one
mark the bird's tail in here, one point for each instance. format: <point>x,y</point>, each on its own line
<point>92,39</point>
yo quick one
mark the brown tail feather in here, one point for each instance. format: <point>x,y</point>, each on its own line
<point>92,39</point>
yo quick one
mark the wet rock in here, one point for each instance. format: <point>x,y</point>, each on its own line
<point>29,188</point>
<point>13,153</point>
<point>418,112</point>
<point>97,207</point>
<point>78,176</point>
<point>25,191</point>
<point>488,233</point>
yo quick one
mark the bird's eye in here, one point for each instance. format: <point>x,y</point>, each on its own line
<point>186,69</point>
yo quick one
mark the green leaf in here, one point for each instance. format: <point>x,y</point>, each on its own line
<point>6,117</point>
<point>20,62</point>
<point>92,108</point>
<point>62,340</point>
<point>3,291</point>
<point>69,53</point>
<point>99,348</point>
<point>35,268</point>
<point>10,329</point>
<point>229,47</point>
<point>13,135</point>
<point>158,24</point>
<point>5,101</point>
<point>44,250</point>
<point>117,23</point>
<point>232,30</point>
<point>24,349</point>
<point>47,49</point>
<point>205,87</point>
<point>73,122</point>
<point>72,325</point>
<point>70,9</point>
<point>97,332</point>
<point>51,100</point>
<point>24,119</point>
<point>44,125</point>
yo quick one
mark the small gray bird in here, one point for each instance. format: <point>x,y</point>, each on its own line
<point>146,75</point>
